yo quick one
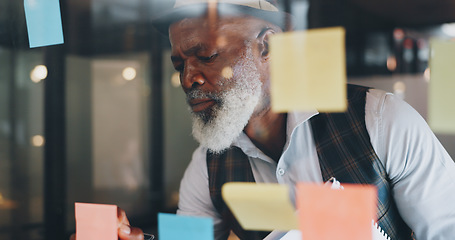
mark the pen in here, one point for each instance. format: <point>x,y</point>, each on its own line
<point>149,236</point>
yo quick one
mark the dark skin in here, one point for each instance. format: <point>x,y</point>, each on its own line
<point>201,49</point>
<point>200,58</point>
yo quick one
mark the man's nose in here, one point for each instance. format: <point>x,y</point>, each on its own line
<point>191,77</point>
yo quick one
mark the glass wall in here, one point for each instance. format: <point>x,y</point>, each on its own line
<point>107,132</point>
<point>22,141</point>
<point>123,127</point>
<point>111,119</point>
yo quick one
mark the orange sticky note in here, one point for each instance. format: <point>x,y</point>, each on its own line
<point>327,214</point>
<point>96,221</point>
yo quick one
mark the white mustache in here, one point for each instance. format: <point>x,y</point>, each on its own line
<point>199,94</point>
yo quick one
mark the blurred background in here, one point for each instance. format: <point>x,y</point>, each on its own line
<point>102,119</point>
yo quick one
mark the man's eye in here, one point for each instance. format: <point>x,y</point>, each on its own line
<point>208,59</point>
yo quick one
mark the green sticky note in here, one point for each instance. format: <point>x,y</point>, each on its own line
<point>308,70</point>
<point>44,23</point>
<point>171,226</point>
<point>441,108</point>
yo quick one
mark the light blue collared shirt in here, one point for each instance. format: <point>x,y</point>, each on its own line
<point>420,169</point>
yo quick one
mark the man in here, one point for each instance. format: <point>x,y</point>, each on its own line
<point>222,55</point>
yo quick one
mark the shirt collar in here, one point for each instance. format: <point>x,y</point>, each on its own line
<point>294,119</point>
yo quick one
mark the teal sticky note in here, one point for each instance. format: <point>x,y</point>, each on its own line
<point>44,22</point>
<point>171,227</point>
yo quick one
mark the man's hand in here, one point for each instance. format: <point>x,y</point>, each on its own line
<point>125,231</point>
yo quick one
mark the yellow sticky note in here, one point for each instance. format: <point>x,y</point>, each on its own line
<point>262,207</point>
<point>441,110</point>
<point>328,214</point>
<point>96,221</point>
<point>308,70</point>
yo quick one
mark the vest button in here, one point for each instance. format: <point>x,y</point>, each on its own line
<point>281,172</point>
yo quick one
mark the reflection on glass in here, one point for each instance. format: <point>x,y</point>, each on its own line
<point>6,204</point>
<point>38,73</point>
<point>37,141</point>
<point>21,164</point>
<point>398,34</point>
<point>391,63</point>
<point>449,29</point>
<point>129,73</point>
<point>426,74</point>
<point>399,89</point>
<point>227,72</point>
<point>175,80</point>
<point>221,41</point>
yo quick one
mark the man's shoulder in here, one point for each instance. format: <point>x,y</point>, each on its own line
<point>375,99</point>
<point>382,102</point>
<point>199,154</point>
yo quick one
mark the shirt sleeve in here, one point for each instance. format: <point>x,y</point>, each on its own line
<point>194,195</point>
<point>420,169</point>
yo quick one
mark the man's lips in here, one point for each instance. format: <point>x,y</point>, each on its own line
<point>198,105</point>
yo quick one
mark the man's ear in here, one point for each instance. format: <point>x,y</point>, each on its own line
<point>263,39</point>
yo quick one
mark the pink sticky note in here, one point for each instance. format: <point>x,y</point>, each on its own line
<point>96,221</point>
<point>327,214</point>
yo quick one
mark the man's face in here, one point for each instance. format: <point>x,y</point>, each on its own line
<point>221,73</point>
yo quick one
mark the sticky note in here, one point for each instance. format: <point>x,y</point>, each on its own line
<point>44,23</point>
<point>171,226</point>
<point>308,70</point>
<point>441,111</point>
<point>96,221</point>
<point>259,206</point>
<point>328,214</point>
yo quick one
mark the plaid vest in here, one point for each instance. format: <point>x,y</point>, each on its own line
<point>344,151</point>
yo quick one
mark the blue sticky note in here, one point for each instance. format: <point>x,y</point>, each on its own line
<point>171,227</point>
<point>44,22</point>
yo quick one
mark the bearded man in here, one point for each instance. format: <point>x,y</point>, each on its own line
<point>221,50</point>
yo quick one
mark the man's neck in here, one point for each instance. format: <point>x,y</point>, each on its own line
<point>268,132</point>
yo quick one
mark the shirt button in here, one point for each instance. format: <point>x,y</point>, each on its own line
<point>281,172</point>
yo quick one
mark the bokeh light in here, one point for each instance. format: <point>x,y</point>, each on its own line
<point>38,141</point>
<point>221,41</point>
<point>38,73</point>
<point>391,63</point>
<point>227,72</point>
<point>129,73</point>
<point>399,87</point>
<point>426,74</point>
<point>175,79</point>
<point>448,29</point>
<point>398,34</point>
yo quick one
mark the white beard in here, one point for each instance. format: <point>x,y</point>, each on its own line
<point>218,129</point>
